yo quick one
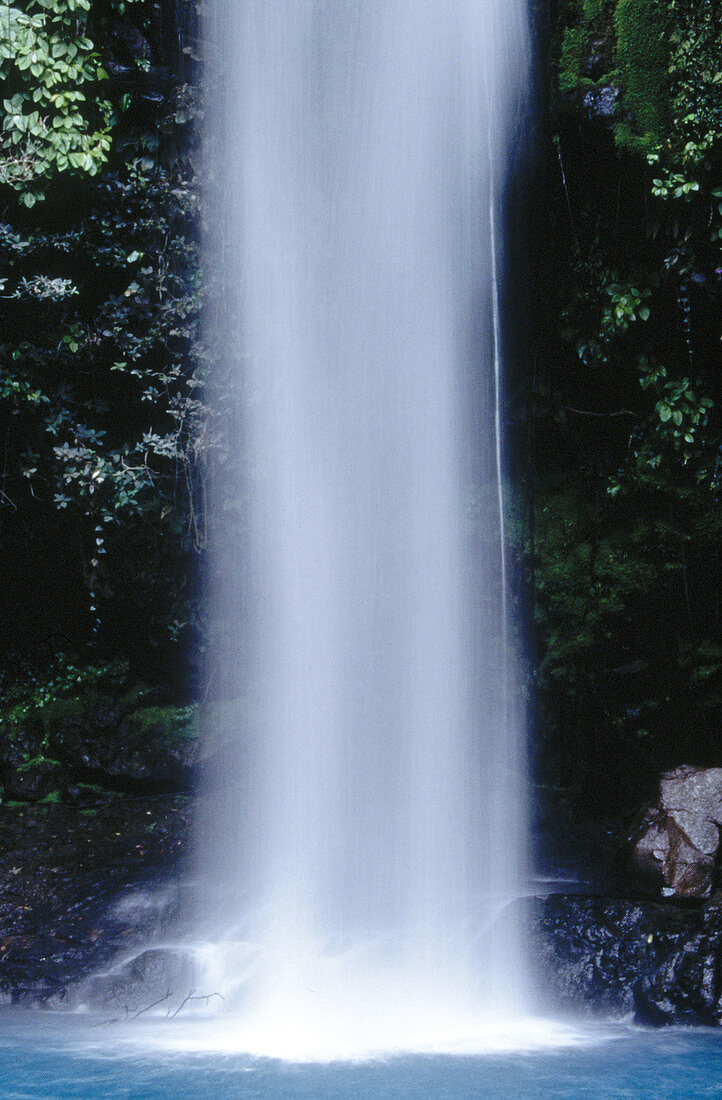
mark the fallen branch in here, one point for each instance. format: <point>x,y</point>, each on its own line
<point>148,1007</point>
<point>604,415</point>
<point>192,996</point>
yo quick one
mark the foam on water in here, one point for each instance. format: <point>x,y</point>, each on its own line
<point>313,1032</point>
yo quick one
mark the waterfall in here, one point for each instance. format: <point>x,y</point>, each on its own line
<point>365,832</point>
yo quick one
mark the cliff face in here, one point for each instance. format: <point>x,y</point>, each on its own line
<point>614,410</point>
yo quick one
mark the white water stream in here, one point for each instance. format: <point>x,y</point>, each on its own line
<point>366,833</point>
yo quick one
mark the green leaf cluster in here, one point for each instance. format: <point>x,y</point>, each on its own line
<point>54,118</point>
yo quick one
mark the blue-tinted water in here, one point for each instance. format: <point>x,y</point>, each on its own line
<point>56,1058</point>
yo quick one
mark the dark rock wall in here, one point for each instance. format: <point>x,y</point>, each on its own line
<point>659,963</point>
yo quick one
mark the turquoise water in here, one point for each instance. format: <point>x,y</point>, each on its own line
<point>56,1058</point>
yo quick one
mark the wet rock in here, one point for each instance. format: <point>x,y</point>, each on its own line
<point>684,989</point>
<point>33,780</point>
<point>676,846</point>
<point>77,887</point>
<point>590,952</point>
<point>151,979</point>
<point>108,747</point>
<point>712,908</point>
<point>660,963</point>
<point>694,797</point>
<point>601,103</point>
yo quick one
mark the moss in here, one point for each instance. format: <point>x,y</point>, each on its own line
<point>16,715</point>
<point>22,718</point>
<point>51,799</point>
<point>172,724</point>
<point>38,762</point>
<point>60,710</point>
<point>619,42</point>
<point>574,44</point>
<point>643,58</point>
<point>585,47</point>
<point>134,696</point>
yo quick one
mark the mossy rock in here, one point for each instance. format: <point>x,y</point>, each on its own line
<point>60,711</point>
<point>171,724</point>
<point>138,694</point>
<point>573,49</point>
<point>92,726</point>
<point>39,779</point>
<point>621,45</point>
<point>643,58</point>
<point>21,725</point>
<point>586,48</point>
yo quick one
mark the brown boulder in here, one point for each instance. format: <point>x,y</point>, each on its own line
<point>677,843</point>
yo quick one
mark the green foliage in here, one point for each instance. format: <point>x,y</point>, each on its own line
<point>630,671</point>
<point>172,723</point>
<point>36,762</point>
<point>101,412</point>
<point>56,727</point>
<point>51,799</point>
<point>683,416</point>
<point>625,534</point>
<point>63,691</point>
<point>70,690</point>
<point>50,125</point>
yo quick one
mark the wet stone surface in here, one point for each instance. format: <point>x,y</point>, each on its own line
<point>660,963</point>
<point>77,887</point>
